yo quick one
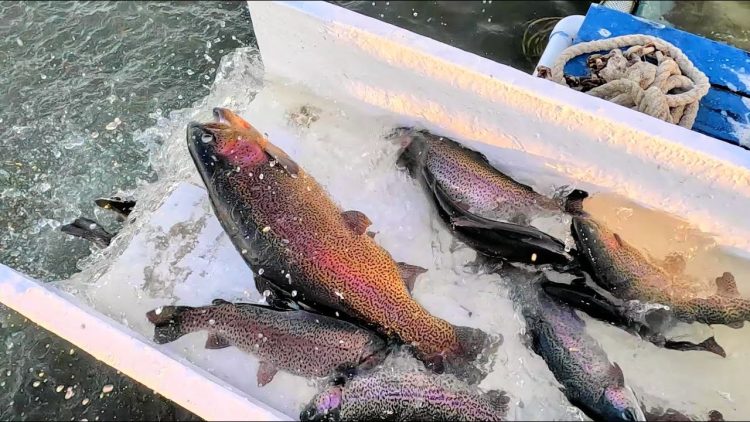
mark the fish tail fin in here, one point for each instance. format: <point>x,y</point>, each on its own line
<point>475,347</point>
<point>167,322</point>
<point>574,201</point>
<point>499,400</point>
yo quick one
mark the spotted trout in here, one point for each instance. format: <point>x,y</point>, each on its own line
<point>405,396</point>
<point>590,381</point>
<point>629,275</point>
<point>302,247</point>
<point>295,341</point>
<point>486,209</point>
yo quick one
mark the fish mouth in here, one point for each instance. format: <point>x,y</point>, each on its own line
<point>201,143</point>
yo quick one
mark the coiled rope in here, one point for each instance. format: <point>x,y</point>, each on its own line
<point>651,76</point>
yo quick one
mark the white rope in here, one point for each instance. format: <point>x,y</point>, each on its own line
<point>669,90</point>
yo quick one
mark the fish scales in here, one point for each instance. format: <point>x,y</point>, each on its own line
<point>300,342</point>
<point>629,275</point>
<point>294,236</point>
<point>406,396</point>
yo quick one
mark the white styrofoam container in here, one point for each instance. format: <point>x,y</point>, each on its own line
<point>342,55</point>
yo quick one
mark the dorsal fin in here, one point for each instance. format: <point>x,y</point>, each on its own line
<point>574,201</point>
<point>726,285</point>
<point>357,221</point>
<point>409,273</point>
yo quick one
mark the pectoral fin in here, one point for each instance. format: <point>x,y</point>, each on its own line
<point>616,373</point>
<point>284,160</point>
<point>357,221</point>
<point>583,297</point>
<point>409,273</point>
<point>216,341</point>
<point>266,372</point>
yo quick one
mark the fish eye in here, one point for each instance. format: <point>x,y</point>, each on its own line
<point>207,138</point>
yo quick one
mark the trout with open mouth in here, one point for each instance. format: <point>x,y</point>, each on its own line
<point>303,248</point>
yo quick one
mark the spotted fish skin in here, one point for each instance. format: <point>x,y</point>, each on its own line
<point>471,180</point>
<point>485,208</point>
<point>296,238</point>
<point>629,275</point>
<point>299,342</point>
<point>590,380</point>
<point>405,396</point>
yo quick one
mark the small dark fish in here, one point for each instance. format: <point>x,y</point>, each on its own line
<point>629,275</point>
<point>299,342</point>
<point>406,396</point>
<point>485,208</point>
<point>123,207</point>
<point>90,230</point>
<point>591,382</point>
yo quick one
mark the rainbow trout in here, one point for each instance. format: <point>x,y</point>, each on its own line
<point>299,342</point>
<point>487,210</point>
<point>590,381</point>
<point>628,275</point>
<point>405,396</point>
<point>303,248</point>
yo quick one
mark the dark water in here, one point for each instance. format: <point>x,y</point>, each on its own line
<point>80,81</point>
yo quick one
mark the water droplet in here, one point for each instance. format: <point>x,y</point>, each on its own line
<point>44,76</point>
<point>415,14</point>
<point>211,321</point>
<point>36,384</point>
<point>294,293</point>
<point>261,271</point>
<point>113,124</point>
<point>108,388</point>
<point>69,393</point>
<point>260,176</point>
<point>190,72</point>
<point>94,135</point>
<point>206,138</point>
<point>19,42</point>
<point>266,229</point>
<point>59,388</point>
<point>85,402</point>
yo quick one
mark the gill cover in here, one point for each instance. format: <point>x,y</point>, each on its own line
<point>226,116</point>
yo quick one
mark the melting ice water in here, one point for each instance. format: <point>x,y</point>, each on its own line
<point>175,252</point>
